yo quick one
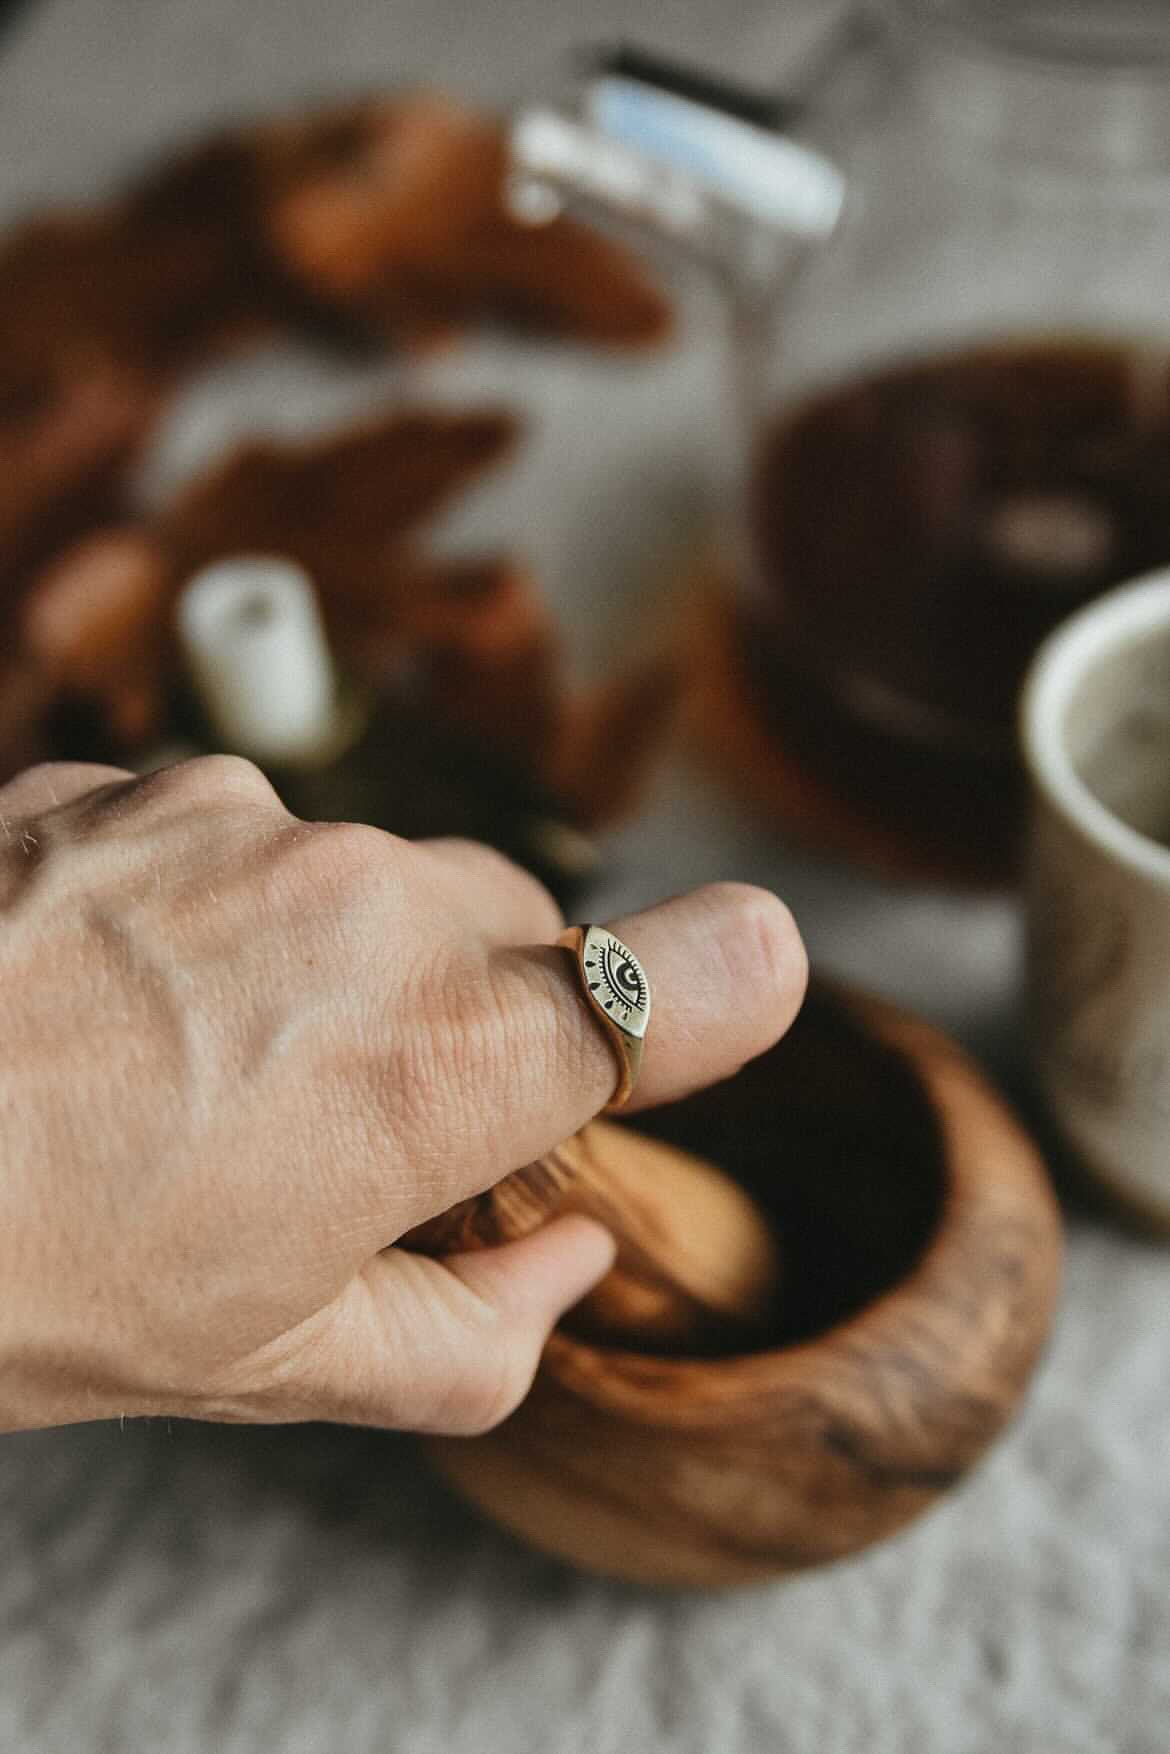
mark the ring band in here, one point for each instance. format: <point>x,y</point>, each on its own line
<point>617,992</point>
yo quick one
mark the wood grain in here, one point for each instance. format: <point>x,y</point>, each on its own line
<point>698,1264</point>
<point>922,1265</point>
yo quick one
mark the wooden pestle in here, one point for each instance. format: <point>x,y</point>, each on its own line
<point>697,1266</point>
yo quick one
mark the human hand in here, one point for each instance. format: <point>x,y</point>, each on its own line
<point>241,1054</point>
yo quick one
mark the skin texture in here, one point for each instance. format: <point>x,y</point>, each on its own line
<point>243,1054</point>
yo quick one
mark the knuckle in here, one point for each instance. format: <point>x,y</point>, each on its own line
<point>417,1076</point>
<point>459,847</point>
<point>511,1027</point>
<point>510,1030</point>
<point>354,846</point>
<point>42,776</point>
<point>495,868</point>
<point>569,1039</point>
<point>42,786</point>
<point>447,1063</point>
<point>341,852</point>
<point>42,771</point>
<point>547,918</point>
<point>217,779</point>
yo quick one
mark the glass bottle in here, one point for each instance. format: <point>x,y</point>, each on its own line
<point>954,391</point>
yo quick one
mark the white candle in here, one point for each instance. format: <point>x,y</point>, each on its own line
<point>252,634</point>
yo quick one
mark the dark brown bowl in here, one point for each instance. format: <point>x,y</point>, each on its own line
<point>922,1253</point>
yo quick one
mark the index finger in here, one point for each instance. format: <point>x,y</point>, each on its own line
<point>529,1064</point>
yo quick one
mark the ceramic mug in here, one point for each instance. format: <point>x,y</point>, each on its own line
<point>1096,731</point>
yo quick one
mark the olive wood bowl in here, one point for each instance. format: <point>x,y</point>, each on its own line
<point>698,1264</point>
<point>922,1249</point>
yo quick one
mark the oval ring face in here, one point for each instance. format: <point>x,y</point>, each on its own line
<point>616,980</point>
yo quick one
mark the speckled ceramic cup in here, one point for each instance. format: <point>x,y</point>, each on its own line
<point>1096,730</point>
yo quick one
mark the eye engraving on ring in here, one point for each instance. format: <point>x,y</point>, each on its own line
<point>615,988</point>
<point>616,980</point>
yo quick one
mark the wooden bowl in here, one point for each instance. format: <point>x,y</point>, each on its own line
<point>922,1253</point>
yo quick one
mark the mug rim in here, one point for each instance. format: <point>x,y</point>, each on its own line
<point>1107,625</point>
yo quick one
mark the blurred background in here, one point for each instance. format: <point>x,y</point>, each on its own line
<point>601,671</point>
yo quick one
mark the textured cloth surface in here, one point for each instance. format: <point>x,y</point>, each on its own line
<point>179,1589</point>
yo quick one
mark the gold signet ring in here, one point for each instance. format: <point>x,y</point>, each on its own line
<point>616,989</point>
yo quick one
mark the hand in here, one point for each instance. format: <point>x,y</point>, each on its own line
<point>241,1054</point>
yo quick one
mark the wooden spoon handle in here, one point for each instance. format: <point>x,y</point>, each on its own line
<point>698,1265</point>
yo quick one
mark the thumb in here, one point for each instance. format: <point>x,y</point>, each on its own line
<point>446,1347</point>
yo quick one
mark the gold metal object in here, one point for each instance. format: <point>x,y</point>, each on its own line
<point>616,989</point>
